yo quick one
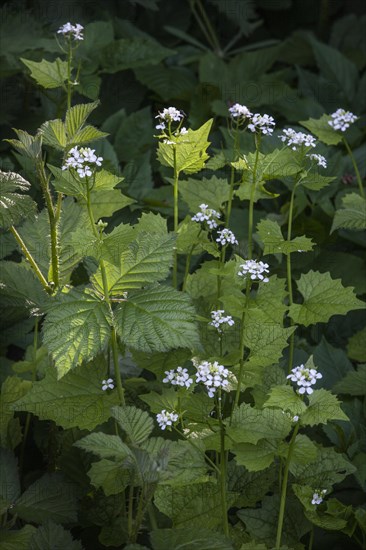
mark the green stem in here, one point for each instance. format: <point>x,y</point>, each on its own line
<point>69,87</point>
<point>311,538</point>
<point>219,278</point>
<point>152,517</point>
<point>141,506</point>
<point>289,279</point>
<point>241,349</point>
<point>358,175</point>
<point>208,32</point>
<point>31,260</point>
<point>117,373</point>
<point>232,178</point>
<point>223,491</point>
<point>188,262</point>
<point>176,215</point>
<point>210,29</point>
<point>251,200</point>
<point>281,514</point>
<point>130,512</point>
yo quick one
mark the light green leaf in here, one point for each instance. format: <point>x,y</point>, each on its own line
<point>321,129</point>
<point>12,389</point>
<point>329,468</point>
<point>14,206</point>
<point>50,535</point>
<point>255,457</point>
<point>270,300</point>
<point>130,53</point>
<point>77,400</point>
<point>28,146</point>
<point>190,150</point>
<point>137,423</point>
<point>356,348</point>
<point>284,398</point>
<point>271,236</point>
<point>103,445</point>
<point>50,497</point>
<point>354,383</point>
<point>53,133</point>
<point>304,450</point>
<point>265,341</point>
<point>315,182</point>
<point>105,181</point>
<point>109,475</point>
<point>157,319</point>
<point>249,425</point>
<point>17,539</point>
<point>105,203</point>
<point>352,215</point>
<point>76,329</point>
<point>192,239</point>
<point>197,538</point>
<point>279,163</point>
<point>77,115</point>
<point>214,192</point>
<point>46,73</point>
<point>323,297</point>
<point>323,406</point>
<point>167,399</point>
<point>65,183</point>
<point>85,135</point>
<point>21,288</point>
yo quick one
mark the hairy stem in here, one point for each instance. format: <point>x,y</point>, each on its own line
<point>281,514</point>
<point>289,278</point>
<point>354,163</point>
<point>69,87</point>
<point>232,177</point>
<point>251,200</point>
<point>225,523</point>
<point>176,215</point>
<point>31,260</point>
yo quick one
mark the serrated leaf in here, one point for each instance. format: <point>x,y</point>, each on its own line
<point>28,146</point>
<point>323,406</point>
<point>130,53</point>
<point>76,329</point>
<point>85,135</point>
<point>50,535</point>
<point>197,538</point>
<point>137,423</point>
<point>249,486</point>
<point>17,539</point>
<point>105,203</point>
<point>13,205</point>
<point>213,191</point>
<point>265,341</point>
<point>284,398</point>
<point>12,389</point>
<point>53,133</point>
<point>65,183</point>
<point>321,129</point>
<point>316,182</point>
<point>190,156</point>
<point>50,497</point>
<point>109,475</point>
<point>77,115</point>
<point>76,400</point>
<point>354,383</point>
<point>249,425</point>
<point>255,457</point>
<point>328,469</point>
<point>157,319</point>
<point>352,215</point>
<point>323,297</point>
<point>304,450</point>
<point>103,445</point>
<point>48,74</point>
<point>271,236</point>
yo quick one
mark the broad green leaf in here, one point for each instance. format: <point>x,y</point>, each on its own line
<point>352,215</point>
<point>322,518</point>
<point>167,82</point>
<point>137,423</point>
<point>280,163</point>
<point>271,236</point>
<point>270,300</point>
<point>192,239</point>
<point>284,398</point>
<point>135,135</point>
<point>50,497</point>
<point>85,135</point>
<point>50,535</point>
<point>14,206</point>
<point>249,425</point>
<point>329,468</point>
<point>255,457</point>
<point>304,450</point>
<point>105,203</point>
<point>17,539</point>
<point>146,260</point>
<point>76,329</point>
<point>214,192</point>
<point>65,183</point>
<point>77,115</point>
<point>10,485</point>
<point>315,182</point>
<point>190,150</point>
<point>198,538</point>
<point>321,129</point>
<point>77,400</point>
<point>130,53</point>
<point>20,288</point>
<point>53,133</point>
<point>157,319</point>
<point>12,389</point>
<point>167,399</point>
<point>356,348</point>
<point>48,74</point>
<point>265,341</point>
<point>109,475</point>
<point>103,445</point>
<point>28,146</point>
<point>323,297</point>
<point>354,383</point>
<point>323,406</point>
<point>249,486</point>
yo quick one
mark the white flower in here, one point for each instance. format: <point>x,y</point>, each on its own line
<point>166,418</point>
<point>83,160</point>
<point>168,115</point>
<point>212,375</point>
<point>295,139</point>
<point>304,378</point>
<point>207,215</point>
<point>107,384</point>
<point>342,120</point>
<point>295,418</point>
<point>225,236</point>
<point>72,30</point>
<point>239,111</point>
<point>182,132</point>
<point>255,270</point>
<point>219,319</point>
<point>180,377</point>
<point>320,160</point>
<point>262,124</point>
<point>318,496</point>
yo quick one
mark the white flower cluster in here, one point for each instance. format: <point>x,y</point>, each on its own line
<point>263,124</point>
<point>180,377</point>
<point>225,236</point>
<point>76,31</point>
<point>342,120</point>
<point>219,319</point>
<point>296,139</point>
<point>107,384</point>
<point>207,215</point>
<point>212,375</point>
<point>169,114</point>
<point>83,160</point>
<point>318,496</point>
<point>319,159</point>
<point>304,378</point>
<point>255,270</point>
<point>241,112</point>
<point>166,419</point>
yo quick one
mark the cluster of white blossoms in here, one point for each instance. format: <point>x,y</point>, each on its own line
<point>304,378</point>
<point>219,318</point>
<point>225,236</point>
<point>341,120</point>
<point>207,215</point>
<point>319,159</point>
<point>255,270</point>
<point>212,375</point>
<point>296,139</point>
<point>263,124</point>
<point>168,115</point>
<point>180,377</point>
<point>240,112</point>
<point>75,31</point>
<point>318,496</point>
<point>83,160</point>
<point>107,384</point>
<point>166,419</point>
